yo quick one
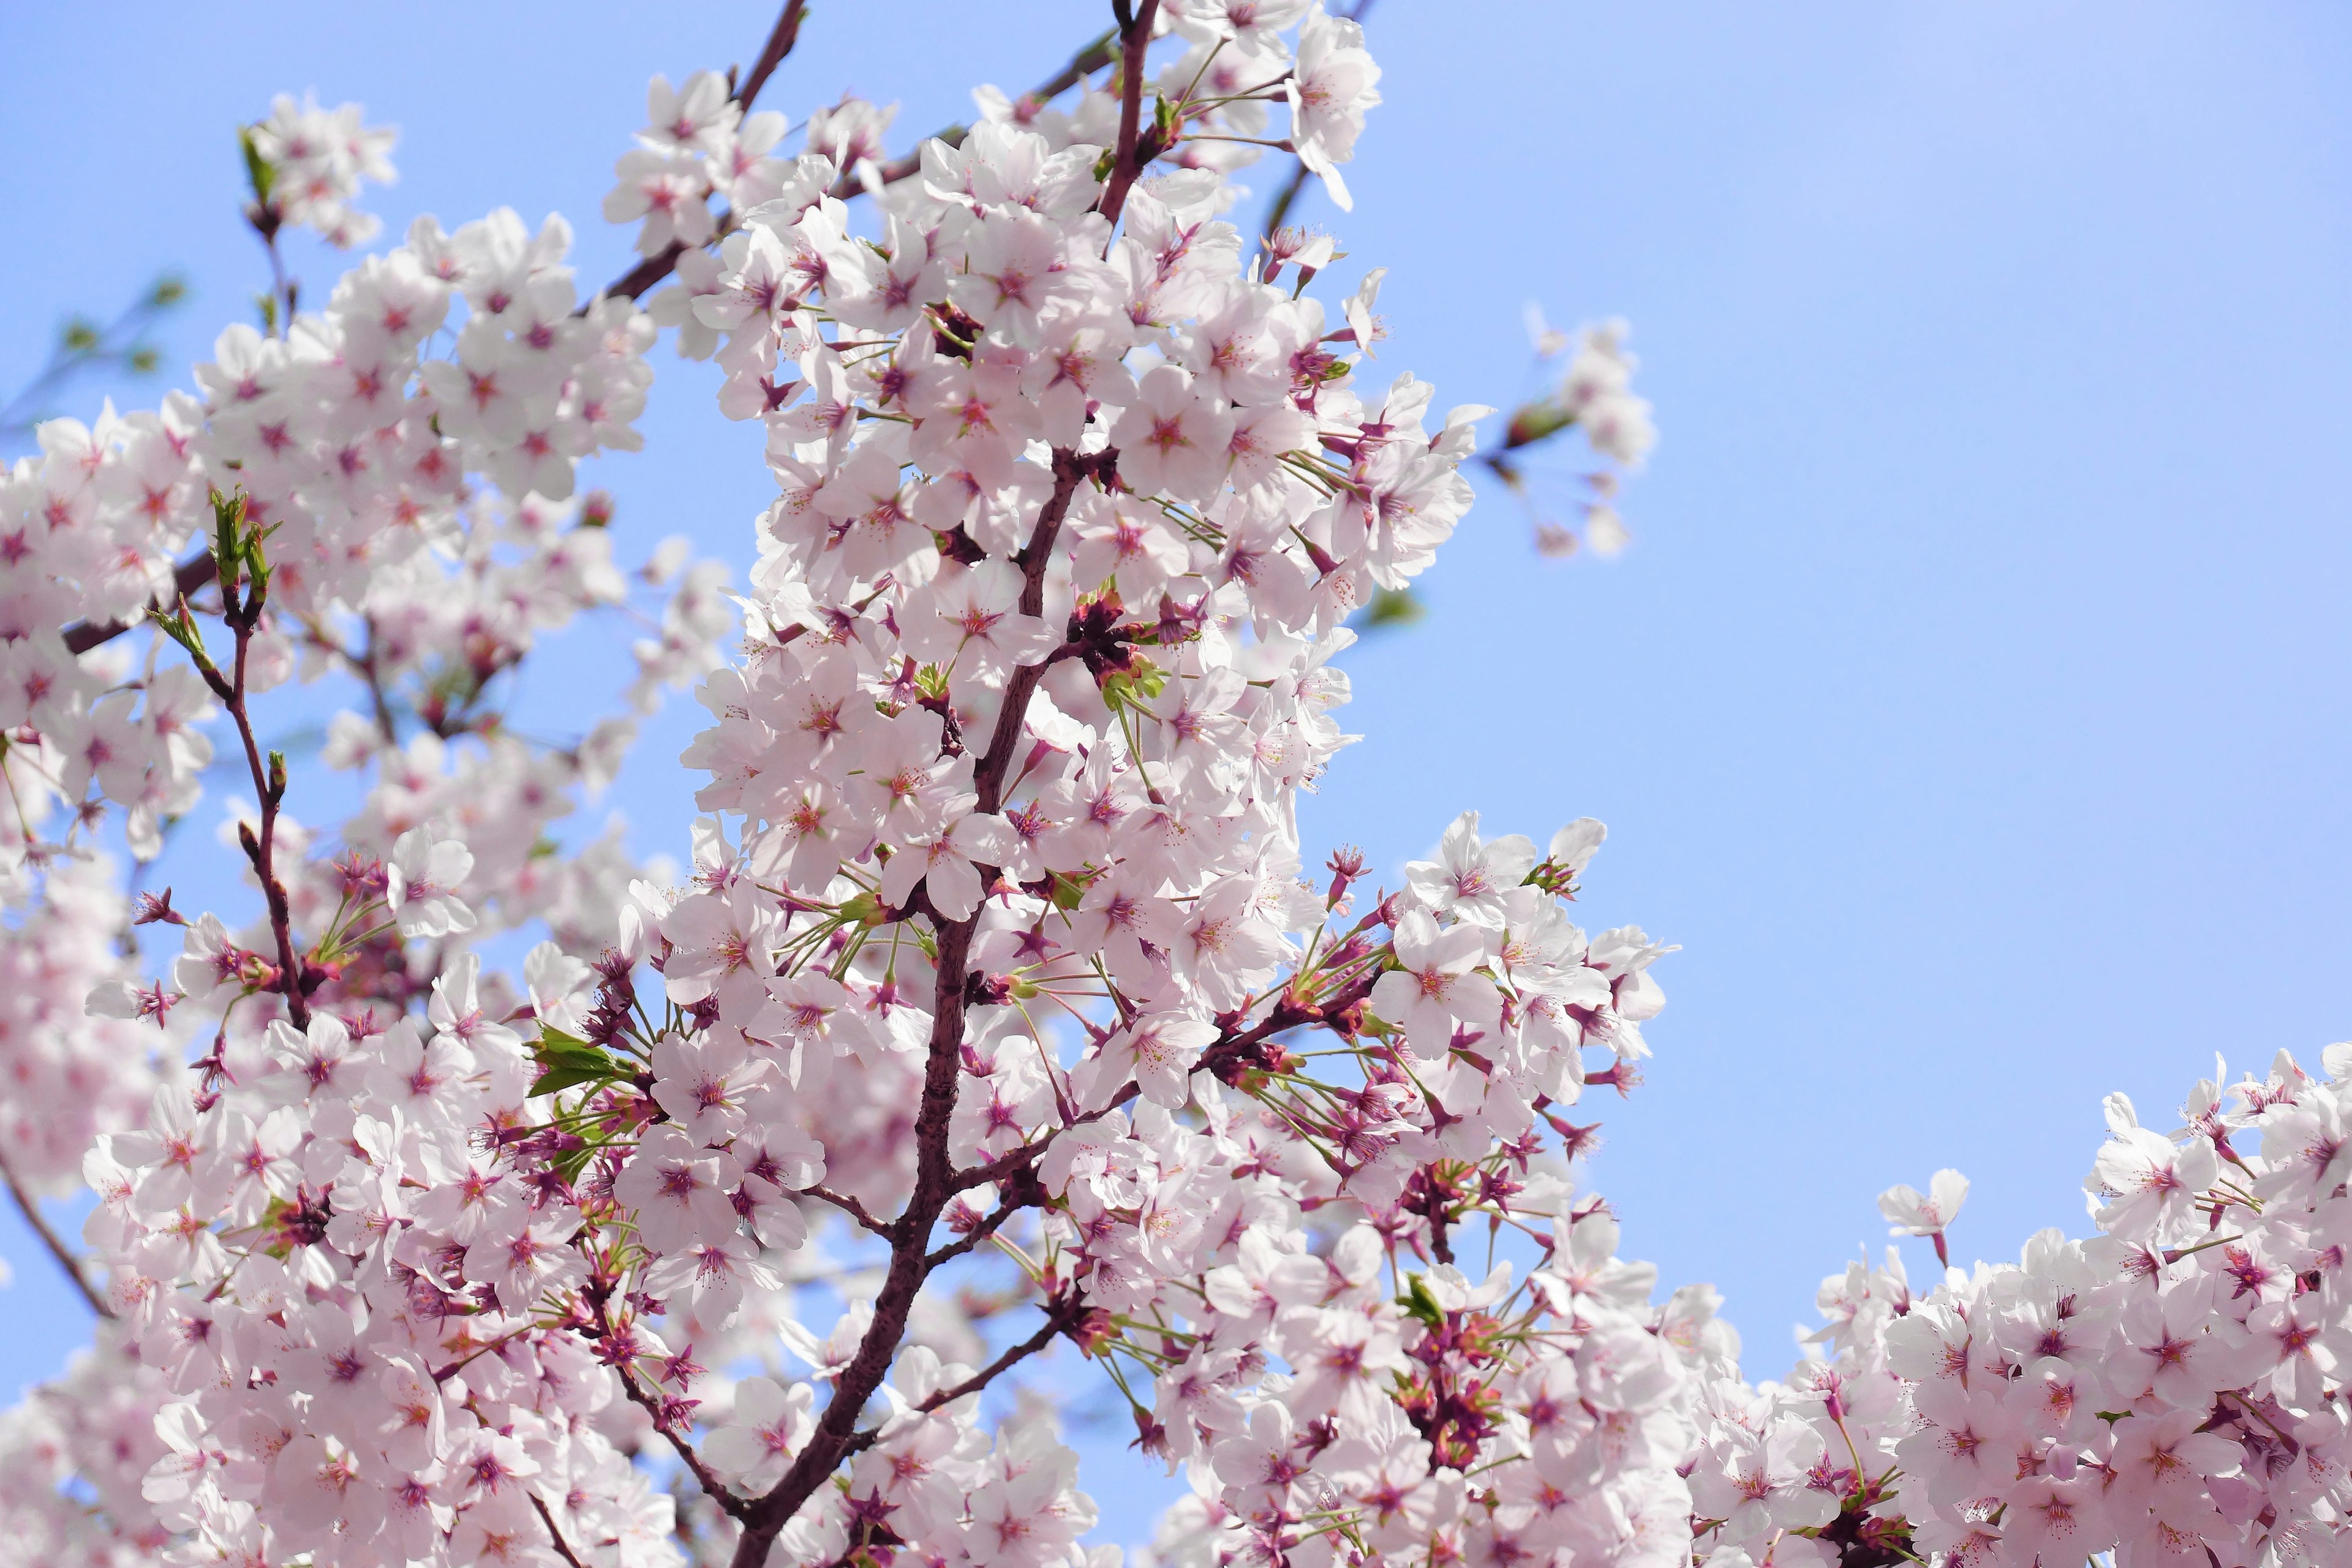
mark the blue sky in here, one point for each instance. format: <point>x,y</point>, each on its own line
<point>1972,704</point>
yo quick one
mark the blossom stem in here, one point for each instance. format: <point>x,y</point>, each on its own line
<point>66,1258</point>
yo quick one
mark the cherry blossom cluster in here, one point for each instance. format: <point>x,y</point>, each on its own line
<point>2170,1390</point>
<point>1075,504</point>
<point>1210,110</point>
<point>76,1453</point>
<point>466,1196</point>
<point>308,164</point>
<point>382,496</point>
<point>1594,395</point>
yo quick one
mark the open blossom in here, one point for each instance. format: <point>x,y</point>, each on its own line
<point>1910,1213</point>
<point>1435,987</point>
<point>318,159</point>
<point>423,877</point>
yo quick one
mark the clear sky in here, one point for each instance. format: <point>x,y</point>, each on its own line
<point>1972,704</point>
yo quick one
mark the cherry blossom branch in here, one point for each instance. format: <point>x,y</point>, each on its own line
<point>563,1547</point>
<point>942,1069</point>
<point>1061,1315</point>
<point>190,575</point>
<point>1135,37</point>
<point>634,283</point>
<point>848,1205</point>
<point>1287,197</point>
<point>1069,470</point>
<point>68,1259</point>
<point>716,1489</point>
<point>1082,64</point>
<point>269,781</point>
<point>1228,1050</point>
<point>787,33</point>
<point>1011,1205</point>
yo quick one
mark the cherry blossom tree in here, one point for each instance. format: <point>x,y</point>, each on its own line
<point>463,1195</point>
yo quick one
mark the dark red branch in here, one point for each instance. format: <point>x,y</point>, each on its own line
<point>1082,64</point>
<point>634,283</point>
<point>1135,38</point>
<point>1069,470</point>
<point>848,1205</point>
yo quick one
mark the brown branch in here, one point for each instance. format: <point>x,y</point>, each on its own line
<point>1069,470</point>
<point>1222,1052</point>
<point>1061,1315</point>
<point>563,1547</point>
<point>634,283</point>
<point>848,1205</point>
<point>942,1069</point>
<point>987,1227</point>
<point>1135,37</point>
<point>716,1489</point>
<point>780,43</point>
<point>269,785</point>
<point>190,575</point>
<point>68,1259</point>
<point>1082,64</point>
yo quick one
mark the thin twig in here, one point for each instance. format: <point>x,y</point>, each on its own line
<point>68,1259</point>
<point>1082,64</point>
<point>637,280</point>
<point>716,1489</point>
<point>850,1206</point>
<point>269,785</point>
<point>972,1238</point>
<point>1060,1316</point>
<point>563,1547</point>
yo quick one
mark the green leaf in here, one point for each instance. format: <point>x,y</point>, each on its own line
<point>1390,607</point>
<point>1418,1301</point>
<point>556,1079</point>
<point>567,1061</point>
<point>259,171</point>
<point>1128,688</point>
